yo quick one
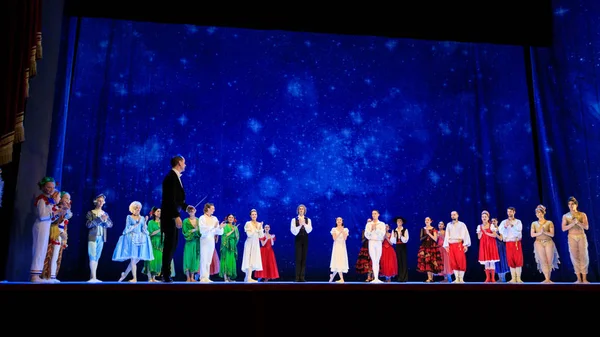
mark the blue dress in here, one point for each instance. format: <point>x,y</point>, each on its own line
<point>502,265</point>
<point>135,242</point>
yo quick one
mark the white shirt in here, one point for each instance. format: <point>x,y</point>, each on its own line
<point>207,228</point>
<point>375,232</point>
<point>296,229</point>
<point>403,237</point>
<point>492,228</point>
<point>457,231</point>
<point>511,233</point>
<point>44,210</point>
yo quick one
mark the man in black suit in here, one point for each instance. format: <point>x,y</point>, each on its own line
<point>173,201</point>
<point>301,226</point>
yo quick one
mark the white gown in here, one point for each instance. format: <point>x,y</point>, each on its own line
<point>208,231</point>
<point>339,254</point>
<point>251,258</point>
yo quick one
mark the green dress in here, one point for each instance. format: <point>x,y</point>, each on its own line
<point>229,252</point>
<point>155,266</point>
<point>191,250</point>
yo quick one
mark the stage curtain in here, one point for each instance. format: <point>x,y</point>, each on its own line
<point>22,51</point>
<point>567,99</point>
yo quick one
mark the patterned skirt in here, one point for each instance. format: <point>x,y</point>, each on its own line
<point>363,263</point>
<point>429,259</point>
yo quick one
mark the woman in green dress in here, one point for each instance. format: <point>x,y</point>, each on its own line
<point>153,268</point>
<point>229,252</point>
<point>191,250</point>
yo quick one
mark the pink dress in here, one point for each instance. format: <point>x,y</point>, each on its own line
<point>445,258</point>
<point>215,265</point>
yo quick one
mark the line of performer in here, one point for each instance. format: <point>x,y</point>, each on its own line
<point>153,239</point>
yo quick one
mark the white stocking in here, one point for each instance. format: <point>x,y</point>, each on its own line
<point>133,265</point>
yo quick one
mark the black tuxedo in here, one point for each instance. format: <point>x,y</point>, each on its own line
<point>173,201</point>
<point>301,247</point>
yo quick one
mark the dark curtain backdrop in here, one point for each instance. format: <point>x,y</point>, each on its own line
<point>22,26</point>
<point>345,125</point>
<point>567,97</point>
<point>21,50</point>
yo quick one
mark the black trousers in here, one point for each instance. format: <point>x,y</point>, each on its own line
<point>301,253</point>
<point>170,240</point>
<point>402,263</point>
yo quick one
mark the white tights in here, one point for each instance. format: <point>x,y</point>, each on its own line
<point>132,266</point>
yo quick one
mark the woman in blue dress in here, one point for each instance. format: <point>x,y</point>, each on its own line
<point>134,244</point>
<point>501,266</point>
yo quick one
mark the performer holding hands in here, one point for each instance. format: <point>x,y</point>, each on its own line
<point>375,233</point>
<point>511,230</point>
<point>457,241</point>
<point>301,226</point>
<point>209,227</point>
<point>575,223</point>
<point>251,259</point>
<point>229,253</point>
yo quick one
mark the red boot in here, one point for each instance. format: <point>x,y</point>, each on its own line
<point>487,276</point>
<point>493,275</point>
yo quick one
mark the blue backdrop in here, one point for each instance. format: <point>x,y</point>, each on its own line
<point>567,98</point>
<point>342,124</point>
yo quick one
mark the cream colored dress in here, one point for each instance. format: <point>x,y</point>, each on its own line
<point>251,258</point>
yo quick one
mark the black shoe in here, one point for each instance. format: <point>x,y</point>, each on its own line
<point>165,280</point>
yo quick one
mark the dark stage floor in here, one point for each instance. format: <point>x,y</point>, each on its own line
<point>296,286</point>
<point>315,308</point>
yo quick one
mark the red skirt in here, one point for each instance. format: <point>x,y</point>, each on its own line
<point>488,250</point>
<point>269,264</point>
<point>388,265</point>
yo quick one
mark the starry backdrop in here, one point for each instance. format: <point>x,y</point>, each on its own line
<point>271,119</point>
<point>567,99</point>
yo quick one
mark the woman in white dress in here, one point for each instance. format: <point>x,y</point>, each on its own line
<point>251,259</point>
<point>339,254</point>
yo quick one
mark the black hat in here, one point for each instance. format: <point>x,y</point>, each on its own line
<point>399,218</point>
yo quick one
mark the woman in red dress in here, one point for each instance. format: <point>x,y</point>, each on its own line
<point>429,259</point>
<point>389,261</point>
<point>269,264</point>
<point>488,251</point>
<point>363,263</point>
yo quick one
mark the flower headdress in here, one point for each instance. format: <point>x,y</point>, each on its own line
<point>234,219</point>
<point>45,180</point>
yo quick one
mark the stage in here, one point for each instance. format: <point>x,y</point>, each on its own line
<point>246,308</point>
